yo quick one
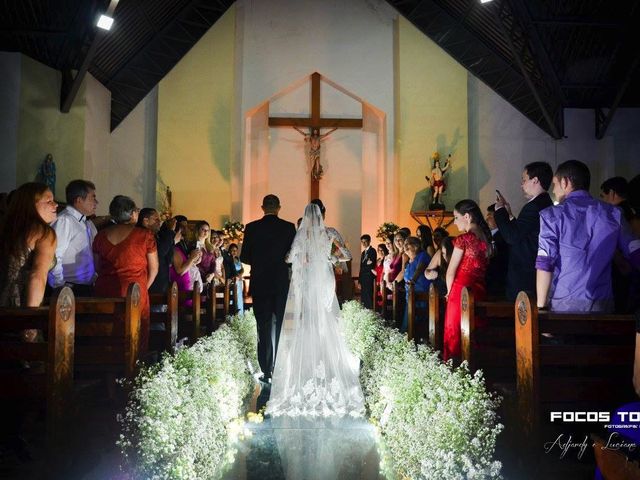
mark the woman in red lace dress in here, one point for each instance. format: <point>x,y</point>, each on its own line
<point>467,268</point>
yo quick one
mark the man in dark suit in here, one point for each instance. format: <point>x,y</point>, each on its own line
<point>521,234</point>
<point>367,277</point>
<point>265,246</point>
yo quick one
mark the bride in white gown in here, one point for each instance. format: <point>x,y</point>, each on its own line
<point>315,374</point>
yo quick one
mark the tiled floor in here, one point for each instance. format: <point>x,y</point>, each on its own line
<point>307,449</point>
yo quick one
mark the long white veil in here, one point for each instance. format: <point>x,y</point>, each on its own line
<point>314,374</point>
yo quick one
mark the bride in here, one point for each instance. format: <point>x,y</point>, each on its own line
<point>315,374</point>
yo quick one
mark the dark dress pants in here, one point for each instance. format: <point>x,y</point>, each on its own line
<point>366,294</point>
<point>265,308</point>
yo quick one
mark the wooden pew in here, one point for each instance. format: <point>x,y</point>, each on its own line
<point>190,316</point>
<point>164,339</point>
<point>108,336</point>
<point>398,304</point>
<point>55,383</point>
<point>386,309</point>
<point>492,347</point>
<point>417,329</point>
<point>591,369</point>
<point>220,304</point>
<point>436,319</point>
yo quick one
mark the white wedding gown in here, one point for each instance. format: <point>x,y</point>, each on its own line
<point>314,374</point>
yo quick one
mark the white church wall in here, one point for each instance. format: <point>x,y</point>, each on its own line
<point>121,162</point>
<point>349,43</point>
<point>502,141</point>
<point>9,108</point>
<point>98,167</point>
<point>133,153</point>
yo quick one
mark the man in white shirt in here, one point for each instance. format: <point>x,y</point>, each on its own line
<point>74,256</point>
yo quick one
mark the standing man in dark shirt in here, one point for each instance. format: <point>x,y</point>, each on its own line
<point>266,244</point>
<point>521,233</point>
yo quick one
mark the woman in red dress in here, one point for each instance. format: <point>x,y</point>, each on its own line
<point>126,254</point>
<point>467,268</point>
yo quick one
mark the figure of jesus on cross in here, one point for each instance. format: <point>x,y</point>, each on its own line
<point>313,139</point>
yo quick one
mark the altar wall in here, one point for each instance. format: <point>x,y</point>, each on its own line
<point>259,49</point>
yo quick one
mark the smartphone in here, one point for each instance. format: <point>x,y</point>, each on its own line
<point>499,194</point>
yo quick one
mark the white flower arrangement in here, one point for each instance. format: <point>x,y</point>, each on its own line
<point>184,414</point>
<point>179,422</point>
<point>435,421</point>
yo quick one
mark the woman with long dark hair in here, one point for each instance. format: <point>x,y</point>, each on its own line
<point>467,268</point>
<point>423,232</point>
<point>27,245</point>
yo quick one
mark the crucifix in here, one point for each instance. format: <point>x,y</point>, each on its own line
<point>314,124</point>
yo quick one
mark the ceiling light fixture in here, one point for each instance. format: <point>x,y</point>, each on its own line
<point>105,22</point>
<point>485,1</point>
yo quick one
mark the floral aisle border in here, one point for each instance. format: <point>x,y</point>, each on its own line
<point>181,418</point>
<point>437,422</point>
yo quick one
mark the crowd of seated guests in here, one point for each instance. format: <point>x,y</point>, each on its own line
<point>42,248</point>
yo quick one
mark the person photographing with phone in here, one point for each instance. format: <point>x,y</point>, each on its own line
<point>521,232</point>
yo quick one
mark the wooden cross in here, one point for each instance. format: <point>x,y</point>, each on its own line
<point>315,122</point>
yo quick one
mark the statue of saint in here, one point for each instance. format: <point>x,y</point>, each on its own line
<point>436,181</point>
<point>313,139</point>
<point>47,173</point>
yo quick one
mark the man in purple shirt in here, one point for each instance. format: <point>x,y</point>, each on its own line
<point>577,241</point>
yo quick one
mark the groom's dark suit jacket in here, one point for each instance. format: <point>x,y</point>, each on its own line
<point>521,234</point>
<point>265,246</point>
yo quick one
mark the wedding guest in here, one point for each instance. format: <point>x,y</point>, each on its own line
<point>389,257</point>
<point>521,233</point>
<point>218,262</point>
<point>423,232</point>
<point>27,252</point>
<point>578,238</point>
<point>499,263</point>
<point>467,267</point>
<point>227,260</point>
<point>27,246</point>
<point>436,271</point>
<point>74,257</point>
<point>397,266</point>
<point>367,277</point>
<point>438,234</point>
<point>184,267</point>
<point>414,275</point>
<point>165,240</point>
<point>379,270</point>
<point>615,191</point>
<point>183,225</point>
<point>126,254</point>
<point>237,278</point>
<point>207,265</point>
